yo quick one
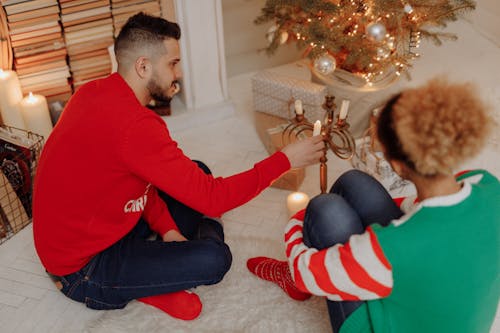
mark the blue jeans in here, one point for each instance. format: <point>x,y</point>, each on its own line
<point>355,201</point>
<point>136,267</point>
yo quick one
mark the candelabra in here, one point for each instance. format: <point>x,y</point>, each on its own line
<point>336,135</point>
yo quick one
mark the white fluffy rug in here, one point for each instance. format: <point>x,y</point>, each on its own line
<point>240,303</point>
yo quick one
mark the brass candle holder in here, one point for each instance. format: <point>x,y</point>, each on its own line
<point>336,136</point>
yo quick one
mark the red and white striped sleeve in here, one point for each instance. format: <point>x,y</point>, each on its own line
<point>356,270</point>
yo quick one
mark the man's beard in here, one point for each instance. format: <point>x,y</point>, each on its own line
<point>157,93</point>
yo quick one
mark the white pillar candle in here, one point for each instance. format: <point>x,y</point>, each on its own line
<point>36,115</point>
<point>317,128</point>
<point>298,107</point>
<point>296,202</point>
<point>344,108</point>
<point>10,97</point>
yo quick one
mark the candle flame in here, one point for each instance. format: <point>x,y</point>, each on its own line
<point>296,201</point>
<point>3,74</point>
<point>31,98</point>
<point>298,196</point>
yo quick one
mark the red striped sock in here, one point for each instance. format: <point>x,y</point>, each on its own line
<point>277,272</point>
<point>181,304</point>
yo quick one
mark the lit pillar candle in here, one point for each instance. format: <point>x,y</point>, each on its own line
<point>298,107</point>
<point>36,115</point>
<point>296,202</point>
<point>10,97</point>
<point>317,128</point>
<point>344,108</point>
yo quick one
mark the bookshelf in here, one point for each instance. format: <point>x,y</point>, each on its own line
<point>55,46</point>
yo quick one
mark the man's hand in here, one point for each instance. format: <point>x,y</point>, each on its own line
<point>173,236</point>
<point>304,152</point>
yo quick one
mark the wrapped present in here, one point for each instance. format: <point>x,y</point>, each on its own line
<point>270,129</point>
<point>275,94</point>
<point>291,180</point>
<point>373,162</point>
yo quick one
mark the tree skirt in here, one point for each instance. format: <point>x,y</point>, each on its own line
<point>240,303</point>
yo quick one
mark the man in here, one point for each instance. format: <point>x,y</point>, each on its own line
<point>110,174</point>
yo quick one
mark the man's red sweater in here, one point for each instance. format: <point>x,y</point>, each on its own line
<point>101,166</point>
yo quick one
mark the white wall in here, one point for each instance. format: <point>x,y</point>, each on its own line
<point>204,81</point>
<point>485,19</point>
<point>243,39</point>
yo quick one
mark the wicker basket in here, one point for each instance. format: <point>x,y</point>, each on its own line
<point>18,164</point>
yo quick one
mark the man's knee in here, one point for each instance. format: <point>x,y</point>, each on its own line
<point>218,260</point>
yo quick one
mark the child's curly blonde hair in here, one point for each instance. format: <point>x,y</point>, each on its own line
<point>434,128</point>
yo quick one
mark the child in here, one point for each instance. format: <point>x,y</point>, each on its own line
<point>431,267</point>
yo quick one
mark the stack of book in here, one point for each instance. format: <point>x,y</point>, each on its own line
<point>38,47</point>
<point>88,32</point>
<point>5,47</point>
<point>123,9</point>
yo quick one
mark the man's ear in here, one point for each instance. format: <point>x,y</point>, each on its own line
<point>143,67</point>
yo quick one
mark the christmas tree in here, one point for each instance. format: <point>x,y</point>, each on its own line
<point>369,38</point>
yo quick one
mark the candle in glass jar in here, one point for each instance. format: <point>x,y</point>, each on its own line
<point>10,97</point>
<point>36,115</point>
<point>296,202</point>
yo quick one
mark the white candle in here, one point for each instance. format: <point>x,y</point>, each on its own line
<point>36,115</point>
<point>317,128</point>
<point>298,107</point>
<point>10,97</point>
<point>344,108</point>
<point>296,202</point>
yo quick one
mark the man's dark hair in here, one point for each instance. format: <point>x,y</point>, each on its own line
<point>143,32</point>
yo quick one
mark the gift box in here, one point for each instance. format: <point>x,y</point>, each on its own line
<point>275,94</point>
<point>291,180</point>
<point>373,162</point>
<point>270,131</point>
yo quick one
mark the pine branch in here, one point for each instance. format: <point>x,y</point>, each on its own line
<point>340,28</point>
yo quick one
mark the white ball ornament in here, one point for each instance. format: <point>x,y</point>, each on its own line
<point>408,9</point>
<point>376,31</point>
<point>325,64</point>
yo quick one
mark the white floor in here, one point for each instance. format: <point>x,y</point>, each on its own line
<point>28,299</point>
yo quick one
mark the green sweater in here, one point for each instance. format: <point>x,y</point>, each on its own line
<point>445,257</point>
